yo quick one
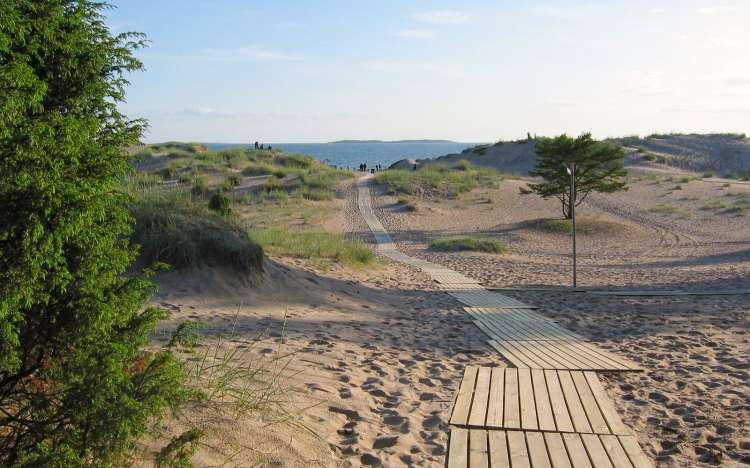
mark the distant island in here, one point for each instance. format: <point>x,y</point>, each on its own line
<point>395,141</point>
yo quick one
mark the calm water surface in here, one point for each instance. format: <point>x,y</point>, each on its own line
<point>352,154</point>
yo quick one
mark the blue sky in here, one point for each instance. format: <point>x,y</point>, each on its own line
<point>304,71</point>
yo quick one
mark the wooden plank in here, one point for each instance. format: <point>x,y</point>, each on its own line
<point>592,354</point>
<point>508,354</point>
<point>541,399</point>
<point>499,455</point>
<point>512,410</point>
<point>529,356</point>
<point>537,450</point>
<point>606,356</point>
<point>596,419</point>
<point>557,400</point>
<point>596,451</point>
<point>478,413</point>
<point>485,330</point>
<point>478,457</point>
<point>576,451</point>
<point>519,456</point>
<point>616,453</point>
<point>462,405</point>
<point>635,453</point>
<point>559,351</point>
<point>614,357</point>
<point>496,400</point>
<point>575,408</point>
<point>558,455</point>
<point>576,362</point>
<point>526,398</point>
<point>614,422</point>
<point>548,360</point>
<point>458,449</point>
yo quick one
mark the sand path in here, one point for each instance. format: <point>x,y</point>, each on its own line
<point>468,291</point>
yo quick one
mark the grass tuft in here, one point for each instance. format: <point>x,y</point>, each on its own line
<point>468,243</point>
<point>438,180</point>
<point>584,225</point>
<point>314,245</point>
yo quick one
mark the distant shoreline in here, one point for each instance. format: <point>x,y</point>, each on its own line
<point>393,141</point>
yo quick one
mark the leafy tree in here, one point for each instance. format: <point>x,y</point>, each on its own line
<point>599,168</point>
<point>75,385</point>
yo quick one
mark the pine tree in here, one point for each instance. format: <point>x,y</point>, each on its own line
<point>599,168</point>
<point>76,386</point>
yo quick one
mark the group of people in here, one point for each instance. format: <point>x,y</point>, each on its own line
<point>377,168</point>
<point>260,146</point>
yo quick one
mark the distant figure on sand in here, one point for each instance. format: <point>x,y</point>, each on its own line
<point>269,147</point>
<point>256,145</point>
<point>415,166</point>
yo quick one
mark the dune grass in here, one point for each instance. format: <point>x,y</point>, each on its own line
<point>438,179</point>
<point>584,225</point>
<point>175,227</point>
<point>313,244</point>
<point>468,243</point>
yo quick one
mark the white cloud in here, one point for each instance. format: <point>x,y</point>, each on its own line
<point>247,53</point>
<point>561,102</point>
<point>431,68</point>
<point>561,13</point>
<point>657,11</point>
<point>441,17</point>
<point>416,33</point>
<point>715,10</point>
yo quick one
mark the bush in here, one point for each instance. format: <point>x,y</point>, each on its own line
<point>437,180</point>
<point>468,243</point>
<point>314,245</point>
<point>174,229</point>
<point>220,203</point>
<point>463,165</point>
<point>584,225</point>
<point>77,387</point>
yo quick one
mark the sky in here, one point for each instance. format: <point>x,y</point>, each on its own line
<point>472,71</point>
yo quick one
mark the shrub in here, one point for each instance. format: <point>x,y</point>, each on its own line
<point>233,180</point>
<point>76,385</point>
<point>437,179</point>
<point>584,225</point>
<point>468,243</point>
<point>463,165</point>
<point>314,245</point>
<point>174,229</point>
<point>220,203</point>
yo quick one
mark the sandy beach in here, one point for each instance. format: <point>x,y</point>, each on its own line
<point>690,406</point>
<point>373,357</point>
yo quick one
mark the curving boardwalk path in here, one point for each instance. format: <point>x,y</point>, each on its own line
<point>550,409</point>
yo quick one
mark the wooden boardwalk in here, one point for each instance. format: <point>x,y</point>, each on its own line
<point>550,410</point>
<point>557,354</point>
<point>479,448</point>
<point>535,399</point>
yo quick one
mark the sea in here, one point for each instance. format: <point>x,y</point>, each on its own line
<point>353,154</point>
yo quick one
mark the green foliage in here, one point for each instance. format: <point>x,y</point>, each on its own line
<point>437,180</point>
<point>599,168</point>
<point>463,165</point>
<point>180,450</point>
<point>220,203</point>
<point>314,245</point>
<point>75,386</point>
<point>584,225</point>
<point>174,228</point>
<point>468,243</point>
